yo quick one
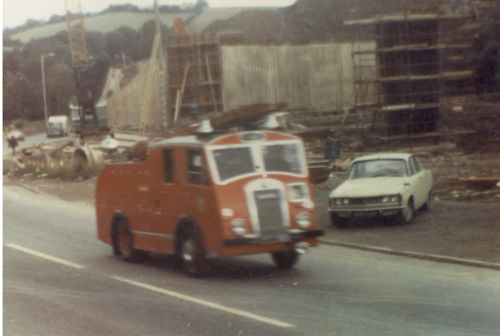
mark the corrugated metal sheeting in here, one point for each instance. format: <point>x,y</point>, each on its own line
<point>317,77</point>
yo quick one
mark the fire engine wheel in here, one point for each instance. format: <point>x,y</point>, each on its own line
<point>123,244</point>
<point>192,254</point>
<point>285,259</point>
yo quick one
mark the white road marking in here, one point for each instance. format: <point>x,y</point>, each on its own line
<point>205,303</point>
<point>45,256</point>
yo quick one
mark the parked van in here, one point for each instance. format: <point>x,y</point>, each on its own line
<point>200,197</point>
<point>58,126</point>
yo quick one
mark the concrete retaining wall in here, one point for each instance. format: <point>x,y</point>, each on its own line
<point>317,77</point>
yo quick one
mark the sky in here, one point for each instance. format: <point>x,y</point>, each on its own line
<point>16,12</point>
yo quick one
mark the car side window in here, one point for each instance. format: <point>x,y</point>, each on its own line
<point>196,169</point>
<point>412,168</point>
<point>418,166</point>
<point>168,165</point>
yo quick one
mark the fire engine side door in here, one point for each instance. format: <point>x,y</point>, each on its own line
<point>198,195</point>
<point>165,201</point>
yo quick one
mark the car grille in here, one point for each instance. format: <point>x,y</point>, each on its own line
<point>269,212</point>
<point>365,201</point>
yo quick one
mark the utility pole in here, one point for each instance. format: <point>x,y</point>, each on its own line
<point>162,75</point>
<point>42,58</point>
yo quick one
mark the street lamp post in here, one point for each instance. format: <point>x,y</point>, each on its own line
<point>42,58</point>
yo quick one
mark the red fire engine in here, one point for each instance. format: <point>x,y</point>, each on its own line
<point>206,196</point>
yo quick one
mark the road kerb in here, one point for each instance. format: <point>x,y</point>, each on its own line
<point>411,254</point>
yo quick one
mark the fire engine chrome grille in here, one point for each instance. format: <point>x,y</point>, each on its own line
<point>269,213</point>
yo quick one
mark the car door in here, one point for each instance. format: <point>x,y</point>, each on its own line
<point>419,182</point>
<point>426,179</point>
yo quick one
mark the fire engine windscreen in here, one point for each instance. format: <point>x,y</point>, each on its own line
<point>233,162</point>
<point>282,158</point>
<point>276,158</point>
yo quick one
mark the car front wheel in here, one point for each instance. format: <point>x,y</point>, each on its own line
<point>338,221</point>
<point>405,216</point>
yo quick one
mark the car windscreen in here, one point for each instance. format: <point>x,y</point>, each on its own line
<point>378,168</point>
<point>232,162</point>
<point>284,158</point>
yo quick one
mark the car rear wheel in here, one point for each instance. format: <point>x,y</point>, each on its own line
<point>338,221</point>
<point>285,259</point>
<point>427,204</point>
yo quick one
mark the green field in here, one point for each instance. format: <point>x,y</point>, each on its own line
<point>103,23</point>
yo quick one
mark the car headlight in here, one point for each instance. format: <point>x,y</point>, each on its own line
<point>238,226</point>
<point>303,219</point>
<point>393,199</point>
<point>338,201</point>
<point>346,201</point>
<point>396,199</point>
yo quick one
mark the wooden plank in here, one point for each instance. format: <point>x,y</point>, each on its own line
<point>212,92</point>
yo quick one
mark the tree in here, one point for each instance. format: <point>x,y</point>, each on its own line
<point>60,87</point>
<point>122,40</point>
<point>199,6</point>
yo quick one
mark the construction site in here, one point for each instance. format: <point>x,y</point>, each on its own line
<point>404,81</point>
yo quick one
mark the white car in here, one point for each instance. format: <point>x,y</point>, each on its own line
<point>391,185</point>
<point>16,134</point>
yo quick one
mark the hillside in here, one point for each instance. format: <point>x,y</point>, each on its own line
<point>311,20</point>
<point>209,15</point>
<point>103,23</point>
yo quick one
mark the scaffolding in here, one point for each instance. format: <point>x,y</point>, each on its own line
<point>415,60</point>
<point>194,86</point>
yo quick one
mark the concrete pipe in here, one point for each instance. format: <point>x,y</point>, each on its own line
<point>87,160</point>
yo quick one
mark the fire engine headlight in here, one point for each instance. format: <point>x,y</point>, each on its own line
<point>238,226</point>
<point>303,219</point>
<point>227,212</point>
<point>308,204</point>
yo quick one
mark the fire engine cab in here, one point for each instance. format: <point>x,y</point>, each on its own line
<point>207,196</point>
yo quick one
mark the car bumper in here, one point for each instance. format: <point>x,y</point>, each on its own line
<point>366,212</point>
<point>55,132</point>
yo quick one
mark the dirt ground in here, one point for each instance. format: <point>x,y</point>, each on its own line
<point>469,230</point>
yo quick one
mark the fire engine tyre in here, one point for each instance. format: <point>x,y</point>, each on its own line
<point>123,244</point>
<point>285,259</point>
<point>192,254</point>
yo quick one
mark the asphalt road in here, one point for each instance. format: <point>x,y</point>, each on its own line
<point>59,280</point>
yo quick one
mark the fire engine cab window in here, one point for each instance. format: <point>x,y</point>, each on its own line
<point>282,158</point>
<point>196,169</point>
<point>168,168</point>
<point>233,162</point>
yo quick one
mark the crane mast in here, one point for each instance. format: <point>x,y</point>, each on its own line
<point>82,67</point>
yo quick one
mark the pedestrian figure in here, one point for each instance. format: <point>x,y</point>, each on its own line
<point>12,144</point>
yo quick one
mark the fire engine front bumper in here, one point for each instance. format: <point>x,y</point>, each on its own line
<point>291,236</point>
